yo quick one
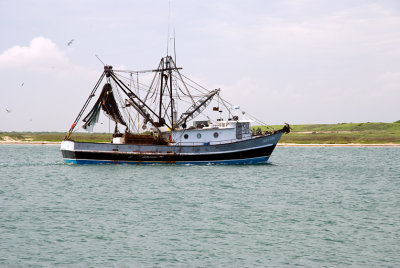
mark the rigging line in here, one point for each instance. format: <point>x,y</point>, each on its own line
<point>226,107</point>
<point>174,47</point>
<point>137,115</point>
<point>146,71</point>
<point>198,90</point>
<point>194,96</point>
<point>175,88</point>
<point>121,102</point>
<point>166,112</point>
<point>178,87</point>
<point>145,87</point>
<point>129,78</point>
<point>255,118</point>
<point>155,90</point>
<point>135,72</point>
<point>137,80</point>
<point>152,82</point>
<point>195,83</point>
<point>146,90</point>
<point>175,81</point>
<point>133,95</point>
<point>85,106</point>
<point>183,82</point>
<point>97,56</point>
<point>137,106</point>
<point>131,82</point>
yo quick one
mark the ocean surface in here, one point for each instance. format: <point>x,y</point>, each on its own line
<point>312,207</point>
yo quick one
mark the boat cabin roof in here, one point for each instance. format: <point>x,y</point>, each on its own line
<point>198,125</point>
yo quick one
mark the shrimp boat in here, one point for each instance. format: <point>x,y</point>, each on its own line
<point>202,134</point>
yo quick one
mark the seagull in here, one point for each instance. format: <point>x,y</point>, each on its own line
<point>8,111</point>
<point>70,42</point>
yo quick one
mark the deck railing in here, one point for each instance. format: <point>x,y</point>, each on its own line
<point>211,142</point>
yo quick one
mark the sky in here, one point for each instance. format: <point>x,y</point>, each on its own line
<point>295,61</point>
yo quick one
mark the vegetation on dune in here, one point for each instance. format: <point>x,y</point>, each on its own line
<point>352,127</point>
<point>340,138</point>
<point>342,133</point>
<point>54,136</point>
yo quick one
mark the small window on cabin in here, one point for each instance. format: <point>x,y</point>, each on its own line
<point>198,135</point>
<point>186,136</point>
<point>215,134</point>
<point>246,127</point>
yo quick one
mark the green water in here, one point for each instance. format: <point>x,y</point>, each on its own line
<point>312,207</point>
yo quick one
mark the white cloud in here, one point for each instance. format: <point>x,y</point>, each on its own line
<point>41,54</point>
<point>42,83</point>
<point>365,27</point>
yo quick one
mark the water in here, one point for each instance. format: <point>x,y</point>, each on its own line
<point>310,207</point>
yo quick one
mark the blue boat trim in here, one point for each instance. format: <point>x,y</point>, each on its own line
<point>255,160</point>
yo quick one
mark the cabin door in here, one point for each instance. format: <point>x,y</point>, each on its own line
<point>238,130</point>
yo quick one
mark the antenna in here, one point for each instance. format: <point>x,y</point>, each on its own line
<point>174,47</point>
<point>169,14</point>
<point>97,56</point>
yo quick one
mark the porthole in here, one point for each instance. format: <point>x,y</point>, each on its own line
<point>215,134</point>
<point>198,135</point>
<point>186,136</point>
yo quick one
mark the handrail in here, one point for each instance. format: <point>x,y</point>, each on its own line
<point>213,142</point>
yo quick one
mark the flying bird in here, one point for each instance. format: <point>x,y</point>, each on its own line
<point>70,42</point>
<point>8,111</point>
<point>22,84</point>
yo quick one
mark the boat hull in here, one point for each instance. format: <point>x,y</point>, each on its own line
<point>251,151</point>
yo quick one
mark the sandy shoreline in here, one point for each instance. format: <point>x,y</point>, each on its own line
<point>30,142</point>
<point>16,142</point>
<point>339,145</point>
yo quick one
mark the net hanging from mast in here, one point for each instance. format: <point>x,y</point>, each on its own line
<point>108,104</point>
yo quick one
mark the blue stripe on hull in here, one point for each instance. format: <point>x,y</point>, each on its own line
<point>256,160</point>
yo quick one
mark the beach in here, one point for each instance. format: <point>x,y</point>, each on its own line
<point>13,141</point>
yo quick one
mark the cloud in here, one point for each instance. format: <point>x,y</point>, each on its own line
<point>41,54</point>
<point>367,27</point>
<point>52,85</point>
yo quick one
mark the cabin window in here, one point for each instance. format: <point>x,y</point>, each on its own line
<point>198,135</point>
<point>186,136</point>
<point>215,134</point>
<point>246,128</point>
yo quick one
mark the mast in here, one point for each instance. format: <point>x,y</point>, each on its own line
<point>170,94</point>
<point>161,90</point>
<point>166,67</point>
